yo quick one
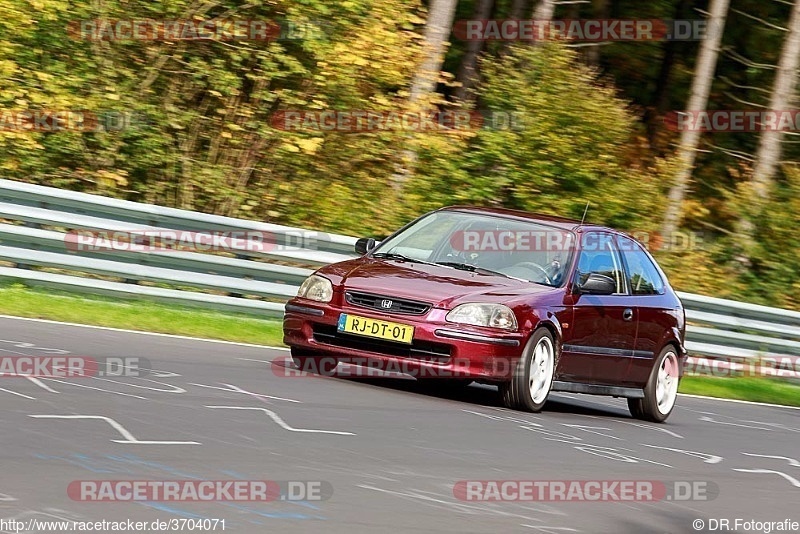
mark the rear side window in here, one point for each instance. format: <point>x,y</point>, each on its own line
<point>643,274</point>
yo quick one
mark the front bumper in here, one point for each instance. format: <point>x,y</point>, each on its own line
<point>439,348</point>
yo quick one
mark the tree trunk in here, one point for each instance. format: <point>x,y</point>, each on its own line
<point>658,105</point>
<point>437,30</point>
<point>545,10</point>
<point>690,138</point>
<point>769,148</point>
<point>518,10</point>
<point>600,10</point>
<point>468,70</point>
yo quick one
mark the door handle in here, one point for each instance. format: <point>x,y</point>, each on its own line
<point>627,315</point>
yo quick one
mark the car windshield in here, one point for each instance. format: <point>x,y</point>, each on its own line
<point>484,243</point>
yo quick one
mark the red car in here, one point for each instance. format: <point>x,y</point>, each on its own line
<point>528,302</point>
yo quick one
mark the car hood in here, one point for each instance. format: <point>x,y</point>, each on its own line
<point>441,286</point>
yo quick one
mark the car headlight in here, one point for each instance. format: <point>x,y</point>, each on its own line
<point>480,314</point>
<point>316,288</point>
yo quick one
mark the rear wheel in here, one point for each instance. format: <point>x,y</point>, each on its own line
<point>530,384</point>
<point>661,389</point>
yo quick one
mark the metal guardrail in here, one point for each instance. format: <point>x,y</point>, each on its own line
<point>34,240</point>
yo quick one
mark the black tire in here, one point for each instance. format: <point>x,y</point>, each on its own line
<point>314,363</point>
<point>635,407</point>
<point>516,393</point>
<point>648,408</point>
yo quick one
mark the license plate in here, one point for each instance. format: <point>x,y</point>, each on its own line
<point>363,326</point>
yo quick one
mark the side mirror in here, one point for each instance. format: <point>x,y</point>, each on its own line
<point>364,245</point>
<point>596,284</point>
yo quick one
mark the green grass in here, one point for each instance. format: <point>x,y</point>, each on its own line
<point>148,316</point>
<point>772,390</point>
<point>22,301</point>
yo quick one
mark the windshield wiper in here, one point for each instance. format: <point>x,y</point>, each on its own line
<point>459,266</point>
<point>476,268</point>
<point>398,257</point>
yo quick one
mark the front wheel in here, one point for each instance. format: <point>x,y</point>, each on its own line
<point>661,389</point>
<point>533,377</point>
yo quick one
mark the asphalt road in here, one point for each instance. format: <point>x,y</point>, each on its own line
<point>390,450</point>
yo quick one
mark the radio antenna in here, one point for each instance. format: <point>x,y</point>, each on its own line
<point>585,212</point>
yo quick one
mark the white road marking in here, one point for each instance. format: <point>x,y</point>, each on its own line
<point>792,461</point>
<point>172,389</point>
<point>793,481</point>
<point>94,388</point>
<point>612,454</point>
<point>245,392</point>
<point>710,420</point>
<point>17,394</point>
<point>26,345</point>
<point>275,417</point>
<point>516,420</point>
<point>591,430</point>
<point>129,438</point>
<point>234,389</point>
<point>708,458</point>
<point>445,504</point>
<point>737,401</point>
<point>552,435</point>
<point>6,498</point>
<point>13,351</point>
<point>486,415</point>
<point>41,384</point>
<point>163,374</point>
<point>651,427</point>
<point>776,425</point>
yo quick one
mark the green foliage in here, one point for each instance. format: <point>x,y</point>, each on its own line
<point>202,136</point>
<point>569,147</point>
<point>774,273</point>
<point>147,316</point>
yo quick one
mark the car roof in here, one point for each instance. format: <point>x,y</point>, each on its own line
<point>551,220</point>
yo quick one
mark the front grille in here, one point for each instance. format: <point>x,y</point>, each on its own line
<point>418,350</point>
<point>378,302</point>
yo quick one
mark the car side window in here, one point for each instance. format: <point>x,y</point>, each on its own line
<point>643,274</point>
<point>599,254</point>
